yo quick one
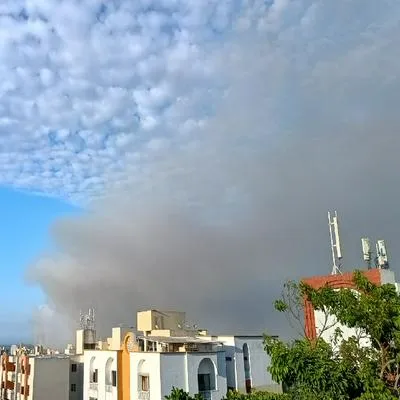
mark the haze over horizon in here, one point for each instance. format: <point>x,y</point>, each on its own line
<point>202,144</point>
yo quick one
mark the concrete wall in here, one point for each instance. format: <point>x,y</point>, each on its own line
<point>259,361</point>
<point>76,377</point>
<point>146,364</point>
<point>173,367</point>
<point>99,390</point>
<point>50,378</point>
<point>152,320</point>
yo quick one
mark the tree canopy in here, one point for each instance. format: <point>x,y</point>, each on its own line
<point>364,366</point>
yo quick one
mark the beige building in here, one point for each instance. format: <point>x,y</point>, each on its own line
<point>26,377</point>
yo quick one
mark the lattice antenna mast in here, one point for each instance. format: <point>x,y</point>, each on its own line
<point>335,243</point>
<point>87,321</point>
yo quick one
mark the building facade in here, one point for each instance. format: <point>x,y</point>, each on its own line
<point>164,353</point>
<point>25,377</point>
<point>100,375</point>
<point>318,323</point>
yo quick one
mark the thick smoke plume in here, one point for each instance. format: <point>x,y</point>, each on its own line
<point>214,225</point>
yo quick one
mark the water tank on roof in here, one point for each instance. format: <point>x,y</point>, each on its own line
<point>89,339</point>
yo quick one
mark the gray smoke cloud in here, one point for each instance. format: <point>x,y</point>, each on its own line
<point>215,224</point>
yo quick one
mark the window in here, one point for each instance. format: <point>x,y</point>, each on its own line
<point>228,358</point>
<point>144,383</point>
<point>204,381</point>
<point>73,367</point>
<point>94,376</point>
<point>114,378</point>
<point>73,387</point>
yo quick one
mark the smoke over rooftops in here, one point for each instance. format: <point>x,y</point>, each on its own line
<point>213,227</point>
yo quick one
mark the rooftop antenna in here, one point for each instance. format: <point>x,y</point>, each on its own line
<point>87,321</point>
<point>382,261</point>
<point>367,252</point>
<point>335,243</point>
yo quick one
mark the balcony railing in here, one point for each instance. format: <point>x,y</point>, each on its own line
<point>144,395</point>
<point>206,394</point>
<point>108,388</point>
<point>93,386</point>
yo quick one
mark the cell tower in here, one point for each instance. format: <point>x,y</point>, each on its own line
<point>335,243</point>
<point>87,321</point>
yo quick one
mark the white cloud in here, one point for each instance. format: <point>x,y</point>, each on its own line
<point>90,78</point>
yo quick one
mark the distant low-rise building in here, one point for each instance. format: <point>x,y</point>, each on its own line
<point>26,377</point>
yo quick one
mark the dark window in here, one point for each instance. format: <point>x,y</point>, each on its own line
<point>144,383</point>
<point>73,387</point>
<point>73,367</point>
<point>204,381</point>
<point>228,358</point>
<point>114,378</point>
<point>95,373</point>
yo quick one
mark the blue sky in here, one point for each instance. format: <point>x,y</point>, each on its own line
<point>25,234</point>
<point>200,136</point>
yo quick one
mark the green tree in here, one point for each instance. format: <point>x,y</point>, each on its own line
<point>342,369</point>
<point>233,395</point>
<point>180,394</point>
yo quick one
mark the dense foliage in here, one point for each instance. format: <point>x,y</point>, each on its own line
<point>180,394</point>
<point>364,366</point>
<point>232,395</point>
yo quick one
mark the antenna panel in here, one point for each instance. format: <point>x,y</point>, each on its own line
<point>337,237</point>
<point>366,249</point>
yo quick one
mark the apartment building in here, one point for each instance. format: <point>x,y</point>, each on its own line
<point>26,377</point>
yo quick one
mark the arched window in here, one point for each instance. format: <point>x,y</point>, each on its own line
<point>93,371</point>
<point>108,372</point>
<point>143,375</point>
<point>206,378</point>
<point>247,368</point>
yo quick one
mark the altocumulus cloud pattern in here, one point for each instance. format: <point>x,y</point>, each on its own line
<point>89,87</point>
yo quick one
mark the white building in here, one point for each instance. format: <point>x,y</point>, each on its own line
<point>164,353</point>
<point>246,363</point>
<point>100,374</point>
<point>202,369</point>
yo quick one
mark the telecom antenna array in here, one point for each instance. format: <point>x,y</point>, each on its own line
<point>367,252</point>
<point>382,261</point>
<point>87,321</point>
<point>335,243</point>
